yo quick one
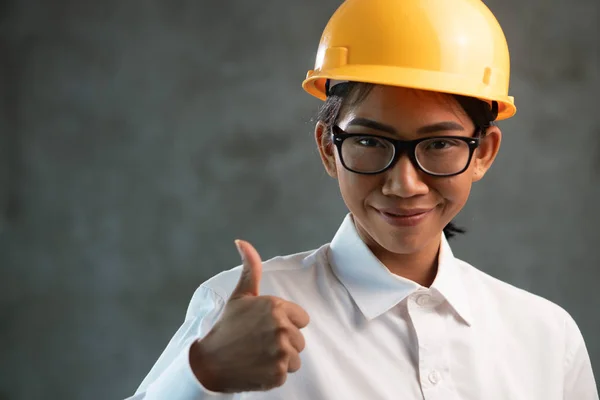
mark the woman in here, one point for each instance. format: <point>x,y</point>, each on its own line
<point>385,311</point>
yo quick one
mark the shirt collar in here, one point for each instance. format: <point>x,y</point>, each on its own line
<point>375,289</point>
<point>450,282</point>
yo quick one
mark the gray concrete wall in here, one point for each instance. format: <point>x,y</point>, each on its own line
<point>139,138</point>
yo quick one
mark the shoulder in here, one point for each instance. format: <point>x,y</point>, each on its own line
<point>492,296</point>
<point>530,330</point>
<point>275,270</point>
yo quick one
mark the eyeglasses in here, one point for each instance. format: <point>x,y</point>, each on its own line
<point>436,156</point>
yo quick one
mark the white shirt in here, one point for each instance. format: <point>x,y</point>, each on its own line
<point>374,335</point>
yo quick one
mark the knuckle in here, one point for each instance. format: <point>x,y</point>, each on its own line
<point>279,320</point>
<point>274,309</point>
<point>272,301</point>
<point>280,337</point>
<point>245,275</point>
<point>281,352</point>
<point>280,374</point>
<point>279,349</point>
<point>267,303</point>
<point>281,332</point>
<point>281,368</point>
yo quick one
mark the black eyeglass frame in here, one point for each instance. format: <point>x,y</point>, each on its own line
<point>406,146</point>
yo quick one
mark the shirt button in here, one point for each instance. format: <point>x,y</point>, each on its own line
<point>435,377</point>
<point>423,299</point>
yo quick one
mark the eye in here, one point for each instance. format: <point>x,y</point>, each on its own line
<point>368,141</point>
<point>441,144</point>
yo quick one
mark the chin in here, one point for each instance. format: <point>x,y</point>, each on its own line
<point>400,239</point>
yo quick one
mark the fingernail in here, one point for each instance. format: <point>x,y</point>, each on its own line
<point>239,249</point>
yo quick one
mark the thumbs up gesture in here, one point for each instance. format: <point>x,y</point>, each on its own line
<point>257,340</point>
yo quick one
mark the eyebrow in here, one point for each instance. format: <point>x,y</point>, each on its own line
<point>437,127</point>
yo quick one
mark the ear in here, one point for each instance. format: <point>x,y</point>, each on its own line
<point>485,154</point>
<point>326,148</point>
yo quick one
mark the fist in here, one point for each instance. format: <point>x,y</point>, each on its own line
<point>256,342</point>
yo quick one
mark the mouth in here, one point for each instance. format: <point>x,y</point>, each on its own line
<point>404,217</point>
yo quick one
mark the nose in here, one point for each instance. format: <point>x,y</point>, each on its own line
<point>404,180</point>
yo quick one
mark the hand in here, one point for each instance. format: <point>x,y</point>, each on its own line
<point>257,340</point>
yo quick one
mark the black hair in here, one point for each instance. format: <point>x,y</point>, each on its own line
<point>352,93</point>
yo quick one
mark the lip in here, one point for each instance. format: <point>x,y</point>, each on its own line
<point>404,216</point>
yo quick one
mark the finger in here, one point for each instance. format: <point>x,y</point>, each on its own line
<point>294,363</point>
<point>296,314</point>
<point>296,338</point>
<point>249,283</point>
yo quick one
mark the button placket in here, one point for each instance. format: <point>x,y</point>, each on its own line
<point>435,377</point>
<point>429,327</point>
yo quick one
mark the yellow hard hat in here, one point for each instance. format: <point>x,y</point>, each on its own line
<point>448,46</point>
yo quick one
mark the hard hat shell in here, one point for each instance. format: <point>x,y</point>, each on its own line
<point>448,46</point>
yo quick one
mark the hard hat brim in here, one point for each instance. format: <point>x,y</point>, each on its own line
<point>435,81</point>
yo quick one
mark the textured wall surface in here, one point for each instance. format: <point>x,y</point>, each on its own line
<point>139,138</point>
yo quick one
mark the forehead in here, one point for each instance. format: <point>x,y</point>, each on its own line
<point>406,109</point>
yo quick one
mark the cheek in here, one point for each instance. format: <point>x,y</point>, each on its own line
<point>454,190</point>
<point>355,188</point>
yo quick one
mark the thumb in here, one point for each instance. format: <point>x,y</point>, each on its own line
<point>249,283</point>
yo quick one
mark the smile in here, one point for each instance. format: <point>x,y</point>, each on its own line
<point>404,217</point>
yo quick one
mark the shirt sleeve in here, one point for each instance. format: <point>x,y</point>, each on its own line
<point>579,383</point>
<point>172,377</point>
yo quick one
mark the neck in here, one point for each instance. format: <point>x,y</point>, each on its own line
<point>420,267</point>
